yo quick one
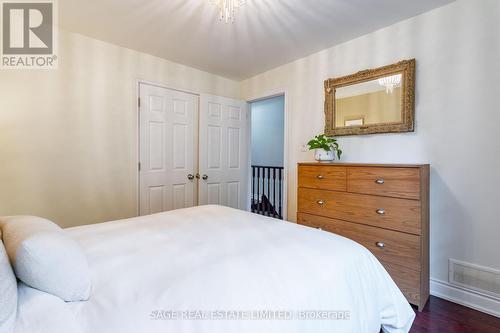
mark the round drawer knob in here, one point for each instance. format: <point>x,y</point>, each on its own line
<point>380,181</point>
<point>320,202</point>
<point>381,211</point>
<point>320,177</point>
<point>380,245</point>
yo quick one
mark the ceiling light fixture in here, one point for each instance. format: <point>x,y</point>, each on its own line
<point>227,8</point>
<point>390,82</point>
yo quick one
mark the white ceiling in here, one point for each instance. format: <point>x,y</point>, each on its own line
<point>266,33</point>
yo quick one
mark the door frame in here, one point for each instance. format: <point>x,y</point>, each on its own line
<point>263,96</point>
<point>137,151</point>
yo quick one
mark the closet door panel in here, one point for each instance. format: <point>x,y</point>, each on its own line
<point>167,148</point>
<point>223,146</point>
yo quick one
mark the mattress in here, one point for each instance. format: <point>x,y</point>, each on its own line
<point>217,269</point>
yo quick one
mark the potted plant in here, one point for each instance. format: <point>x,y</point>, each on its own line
<point>325,148</point>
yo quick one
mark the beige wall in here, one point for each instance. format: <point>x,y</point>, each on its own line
<point>374,108</point>
<point>68,137</point>
<point>457,115</point>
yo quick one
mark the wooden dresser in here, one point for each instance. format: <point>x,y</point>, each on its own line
<point>383,207</point>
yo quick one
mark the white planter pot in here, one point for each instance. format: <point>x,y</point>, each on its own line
<point>322,155</point>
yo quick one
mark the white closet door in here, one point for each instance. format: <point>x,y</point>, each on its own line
<point>168,149</point>
<point>224,144</point>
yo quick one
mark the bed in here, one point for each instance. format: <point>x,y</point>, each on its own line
<point>216,269</point>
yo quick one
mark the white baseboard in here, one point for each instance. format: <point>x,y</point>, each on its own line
<point>465,297</point>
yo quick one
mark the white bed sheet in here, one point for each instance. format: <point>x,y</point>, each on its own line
<point>212,258</point>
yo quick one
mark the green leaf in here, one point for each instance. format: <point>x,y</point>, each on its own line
<point>321,141</point>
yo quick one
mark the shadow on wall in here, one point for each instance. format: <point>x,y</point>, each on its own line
<point>444,203</point>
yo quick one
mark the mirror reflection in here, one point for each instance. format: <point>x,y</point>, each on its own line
<point>377,101</point>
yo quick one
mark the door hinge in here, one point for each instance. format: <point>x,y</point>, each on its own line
<point>139,102</point>
<point>139,166</point>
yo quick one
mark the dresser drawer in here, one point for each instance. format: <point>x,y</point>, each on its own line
<point>389,182</point>
<point>407,280</point>
<point>389,213</point>
<point>388,246</point>
<point>317,222</point>
<point>323,177</point>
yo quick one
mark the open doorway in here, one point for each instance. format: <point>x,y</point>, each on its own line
<point>268,156</point>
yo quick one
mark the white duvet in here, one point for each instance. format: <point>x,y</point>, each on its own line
<point>215,269</point>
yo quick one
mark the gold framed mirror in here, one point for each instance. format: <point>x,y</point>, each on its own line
<point>380,100</point>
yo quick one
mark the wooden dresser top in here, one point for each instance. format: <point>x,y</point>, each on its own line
<point>365,164</point>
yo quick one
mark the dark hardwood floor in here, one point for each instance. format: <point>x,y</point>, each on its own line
<point>440,316</point>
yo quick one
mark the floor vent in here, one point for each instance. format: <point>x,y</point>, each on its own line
<point>473,277</point>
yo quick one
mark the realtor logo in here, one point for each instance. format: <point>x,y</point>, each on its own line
<point>29,36</point>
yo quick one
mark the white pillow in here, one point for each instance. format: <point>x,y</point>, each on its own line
<point>8,292</point>
<point>46,258</point>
